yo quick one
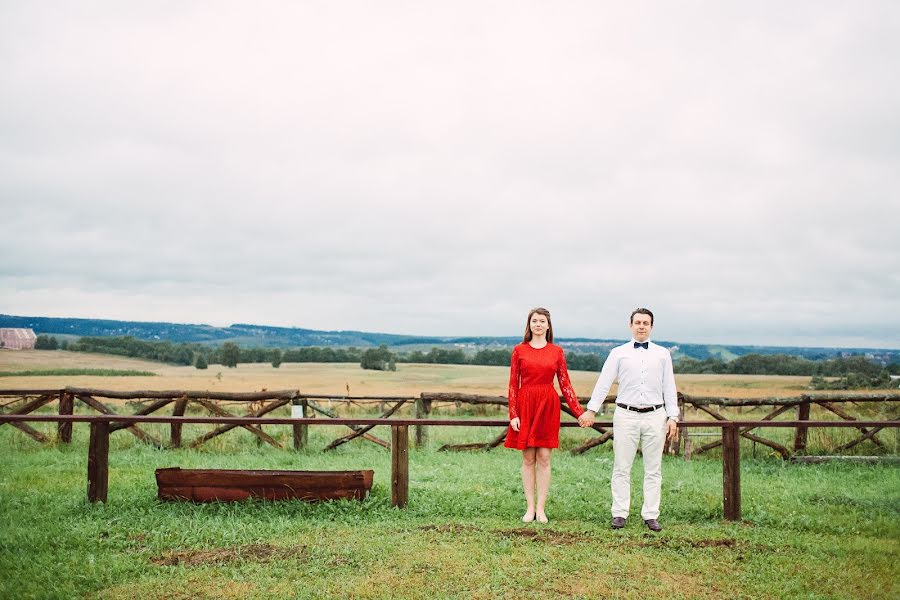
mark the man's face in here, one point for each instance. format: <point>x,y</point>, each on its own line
<point>641,327</point>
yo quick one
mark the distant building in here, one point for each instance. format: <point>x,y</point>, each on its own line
<point>17,339</point>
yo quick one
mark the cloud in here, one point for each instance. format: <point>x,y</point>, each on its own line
<point>440,168</point>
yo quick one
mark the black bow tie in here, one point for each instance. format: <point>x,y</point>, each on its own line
<point>644,345</point>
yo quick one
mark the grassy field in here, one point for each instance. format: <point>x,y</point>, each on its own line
<point>826,531</point>
<point>319,378</point>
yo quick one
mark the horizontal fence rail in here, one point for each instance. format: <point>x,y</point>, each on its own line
<point>261,403</point>
<point>101,426</point>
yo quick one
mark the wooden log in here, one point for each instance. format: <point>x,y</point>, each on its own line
<point>149,409</point>
<point>423,411</point>
<point>731,473</point>
<point>698,401</point>
<point>98,462</point>
<point>28,408</point>
<point>362,430</point>
<point>842,414</point>
<point>399,465</point>
<point>868,435</point>
<point>784,452</point>
<point>365,436</point>
<point>34,404</point>
<point>301,431</point>
<point>466,398</point>
<point>815,460</point>
<point>209,485</point>
<point>221,412</point>
<point>688,445</point>
<point>175,429</point>
<point>476,446</point>
<point>800,436</point>
<point>134,429</point>
<point>66,407</point>
<point>192,395</point>
<point>593,443</point>
<point>31,432</point>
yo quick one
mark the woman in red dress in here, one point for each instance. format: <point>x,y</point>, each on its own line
<point>534,407</point>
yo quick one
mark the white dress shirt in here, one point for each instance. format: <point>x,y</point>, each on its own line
<point>645,376</point>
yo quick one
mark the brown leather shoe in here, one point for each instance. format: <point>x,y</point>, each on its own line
<point>618,522</point>
<point>653,525</point>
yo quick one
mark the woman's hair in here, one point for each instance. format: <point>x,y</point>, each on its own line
<point>540,311</point>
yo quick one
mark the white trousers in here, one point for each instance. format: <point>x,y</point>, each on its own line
<point>630,429</point>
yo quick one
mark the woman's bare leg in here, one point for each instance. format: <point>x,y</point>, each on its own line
<point>528,475</point>
<point>542,469</point>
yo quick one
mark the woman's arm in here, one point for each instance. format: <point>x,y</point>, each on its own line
<point>565,384</point>
<point>513,392</point>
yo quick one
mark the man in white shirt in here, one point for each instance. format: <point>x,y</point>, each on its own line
<point>646,414</point>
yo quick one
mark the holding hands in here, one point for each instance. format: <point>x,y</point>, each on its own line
<point>586,419</point>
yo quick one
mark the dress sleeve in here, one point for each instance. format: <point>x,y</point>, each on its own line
<point>513,392</point>
<point>565,384</point>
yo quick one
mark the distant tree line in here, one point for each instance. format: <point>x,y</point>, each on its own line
<point>499,357</point>
<point>851,372</point>
<point>163,351</point>
<point>784,364</point>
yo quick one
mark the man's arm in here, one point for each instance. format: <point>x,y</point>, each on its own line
<point>670,398</point>
<point>670,395</point>
<point>607,377</point>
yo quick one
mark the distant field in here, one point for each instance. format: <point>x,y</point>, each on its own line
<point>338,378</point>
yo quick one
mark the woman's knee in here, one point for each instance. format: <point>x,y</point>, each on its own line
<point>543,457</point>
<point>528,457</point>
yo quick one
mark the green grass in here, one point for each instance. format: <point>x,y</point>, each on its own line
<point>77,372</point>
<point>823,531</point>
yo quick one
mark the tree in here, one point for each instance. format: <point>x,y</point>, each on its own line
<point>45,342</point>
<point>231,354</point>
<point>378,359</point>
<point>201,362</point>
<point>276,358</point>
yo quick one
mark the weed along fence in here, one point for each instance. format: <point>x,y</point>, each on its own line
<point>102,425</point>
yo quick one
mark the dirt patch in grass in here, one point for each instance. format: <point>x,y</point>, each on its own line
<point>661,542</point>
<point>451,528</point>
<point>547,536</point>
<point>219,556</point>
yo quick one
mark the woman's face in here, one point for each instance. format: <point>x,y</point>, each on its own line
<point>538,324</point>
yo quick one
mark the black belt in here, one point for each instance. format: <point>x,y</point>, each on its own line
<point>640,410</point>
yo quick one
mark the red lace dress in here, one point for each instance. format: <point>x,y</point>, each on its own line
<point>533,398</point>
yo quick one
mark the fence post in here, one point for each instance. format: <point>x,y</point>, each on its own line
<point>301,430</point>
<point>731,472</point>
<point>802,415</point>
<point>178,411</point>
<point>98,462</point>
<point>66,407</point>
<point>399,465</point>
<point>423,410</point>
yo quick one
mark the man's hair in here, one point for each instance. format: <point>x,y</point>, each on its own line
<point>641,311</point>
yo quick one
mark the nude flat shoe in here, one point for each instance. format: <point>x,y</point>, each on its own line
<point>528,517</point>
<point>542,519</point>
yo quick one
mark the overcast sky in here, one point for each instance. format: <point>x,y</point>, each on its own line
<point>439,168</point>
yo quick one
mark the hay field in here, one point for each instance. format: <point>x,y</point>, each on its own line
<point>338,378</point>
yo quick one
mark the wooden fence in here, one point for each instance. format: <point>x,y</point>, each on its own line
<point>103,425</point>
<point>259,404</point>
